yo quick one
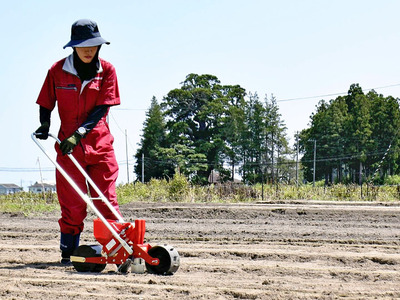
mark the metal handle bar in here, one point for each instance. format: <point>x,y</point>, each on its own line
<point>85,197</point>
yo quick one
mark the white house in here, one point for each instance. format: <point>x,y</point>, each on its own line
<point>9,188</point>
<point>40,187</point>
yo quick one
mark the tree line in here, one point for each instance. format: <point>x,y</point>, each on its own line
<point>205,126</point>
<point>356,138</point>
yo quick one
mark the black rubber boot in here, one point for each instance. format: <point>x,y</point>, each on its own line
<point>68,243</point>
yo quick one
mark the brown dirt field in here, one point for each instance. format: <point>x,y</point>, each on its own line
<point>275,250</point>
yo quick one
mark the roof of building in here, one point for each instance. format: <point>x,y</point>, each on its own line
<point>42,184</point>
<point>10,186</point>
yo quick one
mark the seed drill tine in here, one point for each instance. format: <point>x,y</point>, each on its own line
<point>84,196</point>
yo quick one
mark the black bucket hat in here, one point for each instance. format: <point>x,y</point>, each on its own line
<point>85,33</point>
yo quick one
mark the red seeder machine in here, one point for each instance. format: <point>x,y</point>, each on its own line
<point>122,243</point>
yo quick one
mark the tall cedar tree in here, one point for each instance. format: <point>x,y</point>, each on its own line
<point>265,145</point>
<point>152,139</point>
<point>254,141</point>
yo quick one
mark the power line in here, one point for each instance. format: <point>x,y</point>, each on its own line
<point>122,131</point>
<point>335,94</point>
<point>128,109</point>
<point>23,170</point>
<point>344,157</point>
<point>193,162</point>
<point>311,97</point>
<point>290,99</point>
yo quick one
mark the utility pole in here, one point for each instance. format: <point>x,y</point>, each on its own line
<point>277,171</point>
<point>126,152</point>
<point>41,179</point>
<point>40,171</point>
<point>272,158</point>
<point>262,184</point>
<point>315,156</point>
<point>297,159</point>
<point>360,178</point>
<point>142,167</point>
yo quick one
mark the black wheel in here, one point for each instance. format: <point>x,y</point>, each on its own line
<point>169,260</point>
<point>88,251</point>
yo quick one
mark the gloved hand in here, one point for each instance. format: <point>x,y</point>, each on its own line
<point>68,144</point>
<point>42,132</point>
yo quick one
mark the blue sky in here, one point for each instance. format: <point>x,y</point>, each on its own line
<point>292,49</point>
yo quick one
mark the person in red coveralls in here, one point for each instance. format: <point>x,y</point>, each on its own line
<point>84,87</point>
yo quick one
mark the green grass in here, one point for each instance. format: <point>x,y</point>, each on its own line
<point>163,191</point>
<point>179,190</point>
<point>28,203</point>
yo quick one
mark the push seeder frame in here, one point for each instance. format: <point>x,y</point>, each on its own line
<point>122,242</point>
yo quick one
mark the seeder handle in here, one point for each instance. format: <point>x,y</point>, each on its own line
<point>84,196</point>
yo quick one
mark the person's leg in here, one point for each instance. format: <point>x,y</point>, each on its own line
<point>104,174</point>
<point>73,208</point>
<point>68,243</point>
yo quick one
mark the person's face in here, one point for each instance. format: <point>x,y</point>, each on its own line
<point>86,54</point>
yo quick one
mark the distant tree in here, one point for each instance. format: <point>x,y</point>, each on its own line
<point>253,141</point>
<point>193,113</point>
<point>206,117</point>
<point>184,159</point>
<point>327,130</point>
<point>352,134</point>
<point>276,141</point>
<point>204,126</point>
<point>358,128</point>
<point>385,124</point>
<point>153,138</point>
<point>233,124</point>
<point>266,145</point>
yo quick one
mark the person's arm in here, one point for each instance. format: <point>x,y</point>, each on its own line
<point>47,102</point>
<point>44,116</point>
<point>94,117</point>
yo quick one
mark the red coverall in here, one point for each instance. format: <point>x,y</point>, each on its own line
<point>75,101</point>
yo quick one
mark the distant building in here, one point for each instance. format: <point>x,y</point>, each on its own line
<point>40,187</point>
<point>215,177</point>
<point>9,188</point>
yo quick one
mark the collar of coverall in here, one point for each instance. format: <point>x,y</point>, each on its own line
<point>69,66</point>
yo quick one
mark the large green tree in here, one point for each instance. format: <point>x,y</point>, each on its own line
<point>352,135</point>
<point>208,118</point>
<point>204,126</point>
<point>194,115</point>
<point>385,124</point>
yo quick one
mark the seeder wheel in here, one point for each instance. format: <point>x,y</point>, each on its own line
<point>88,251</point>
<point>169,260</point>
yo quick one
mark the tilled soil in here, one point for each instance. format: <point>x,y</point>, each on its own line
<point>275,250</point>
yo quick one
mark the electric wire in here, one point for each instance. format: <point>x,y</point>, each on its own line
<point>335,94</point>
<point>120,129</point>
<point>286,161</point>
<point>352,156</point>
<point>290,99</point>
